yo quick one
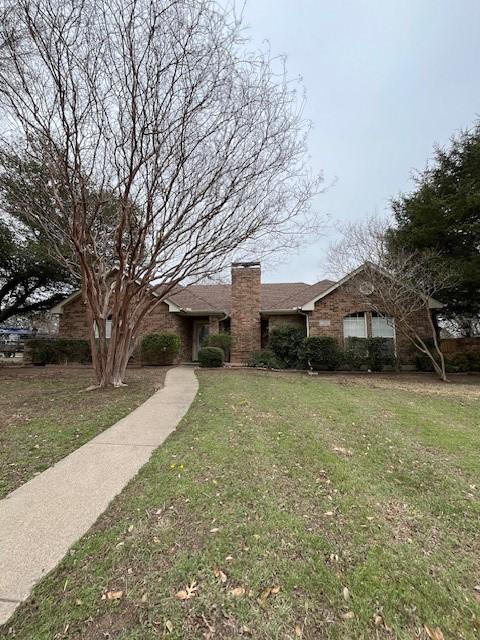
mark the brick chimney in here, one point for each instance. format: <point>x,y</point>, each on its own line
<point>245,314</point>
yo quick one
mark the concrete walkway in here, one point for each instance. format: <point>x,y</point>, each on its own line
<point>41,520</point>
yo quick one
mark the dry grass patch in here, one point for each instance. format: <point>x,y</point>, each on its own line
<point>45,414</point>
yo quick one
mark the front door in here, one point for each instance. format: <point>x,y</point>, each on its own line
<point>200,333</point>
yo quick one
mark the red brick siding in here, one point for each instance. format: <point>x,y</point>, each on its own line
<point>73,324</point>
<point>296,319</point>
<point>346,300</point>
<point>245,314</point>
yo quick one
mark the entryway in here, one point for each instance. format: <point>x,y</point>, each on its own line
<point>200,334</point>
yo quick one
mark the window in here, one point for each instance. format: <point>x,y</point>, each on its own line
<point>355,326</point>
<point>108,328</point>
<point>382,327</point>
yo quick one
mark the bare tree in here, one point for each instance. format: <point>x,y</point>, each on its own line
<point>167,146</point>
<point>395,283</point>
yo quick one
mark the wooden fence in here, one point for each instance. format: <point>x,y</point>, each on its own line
<point>460,345</point>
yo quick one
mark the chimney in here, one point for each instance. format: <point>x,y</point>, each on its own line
<point>245,313</point>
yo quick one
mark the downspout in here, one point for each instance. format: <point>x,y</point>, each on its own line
<point>307,323</point>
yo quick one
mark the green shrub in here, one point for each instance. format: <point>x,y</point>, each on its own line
<point>264,358</point>
<point>458,363</point>
<point>160,349</point>
<point>462,362</point>
<point>322,353</point>
<point>369,353</point>
<point>286,342</point>
<point>43,351</point>
<point>356,352</point>
<point>474,360</point>
<point>380,353</point>
<point>210,357</point>
<point>223,340</point>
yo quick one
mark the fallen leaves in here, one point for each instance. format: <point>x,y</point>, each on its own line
<point>188,592</point>
<point>237,592</point>
<point>218,573</point>
<point>434,634</point>
<point>349,615</point>
<point>266,593</point>
<point>344,452</point>
<point>112,595</point>
<point>379,621</point>
<point>346,593</point>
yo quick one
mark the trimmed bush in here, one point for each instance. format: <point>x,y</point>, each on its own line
<point>264,358</point>
<point>380,353</point>
<point>322,353</point>
<point>160,349</point>
<point>474,360</point>
<point>42,351</point>
<point>223,340</point>
<point>356,353</point>
<point>286,342</point>
<point>210,357</point>
<point>369,353</point>
<point>463,362</point>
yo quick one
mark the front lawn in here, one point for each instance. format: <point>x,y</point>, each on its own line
<point>287,507</point>
<point>45,414</point>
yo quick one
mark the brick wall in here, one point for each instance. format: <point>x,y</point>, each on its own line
<point>327,319</point>
<point>245,314</point>
<point>296,319</point>
<point>73,324</point>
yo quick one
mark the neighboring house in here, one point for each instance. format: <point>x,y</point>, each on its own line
<point>249,308</point>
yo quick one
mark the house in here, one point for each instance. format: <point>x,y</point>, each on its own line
<point>249,308</point>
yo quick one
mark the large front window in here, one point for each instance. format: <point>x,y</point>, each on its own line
<point>382,326</point>
<point>355,326</point>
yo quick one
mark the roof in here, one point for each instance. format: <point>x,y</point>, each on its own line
<point>282,296</point>
<point>216,298</point>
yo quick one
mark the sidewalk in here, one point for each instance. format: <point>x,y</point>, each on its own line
<point>43,518</point>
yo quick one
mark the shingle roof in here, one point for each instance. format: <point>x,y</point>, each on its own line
<point>274,296</point>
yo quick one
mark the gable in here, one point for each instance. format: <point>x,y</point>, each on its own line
<point>311,304</point>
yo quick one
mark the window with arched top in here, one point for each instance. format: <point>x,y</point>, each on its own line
<point>355,325</point>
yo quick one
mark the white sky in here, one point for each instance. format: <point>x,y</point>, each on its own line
<point>385,80</point>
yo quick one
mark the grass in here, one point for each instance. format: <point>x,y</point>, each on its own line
<point>45,414</point>
<point>291,508</point>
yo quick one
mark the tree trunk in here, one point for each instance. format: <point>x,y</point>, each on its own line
<point>440,369</point>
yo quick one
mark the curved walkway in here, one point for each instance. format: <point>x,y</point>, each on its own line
<point>41,520</point>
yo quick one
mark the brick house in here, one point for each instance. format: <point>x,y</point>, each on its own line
<point>248,309</point>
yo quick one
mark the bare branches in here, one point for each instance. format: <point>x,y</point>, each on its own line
<point>168,147</point>
<point>401,284</point>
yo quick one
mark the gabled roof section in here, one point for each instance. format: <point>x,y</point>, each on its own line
<point>58,308</point>
<point>310,304</point>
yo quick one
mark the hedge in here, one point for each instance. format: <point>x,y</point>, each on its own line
<point>160,349</point>
<point>41,351</point>
<point>222,340</point>
<point>370,353</point>
<point>322,353</point>
<point>210,357</point>
<point>286,342</point>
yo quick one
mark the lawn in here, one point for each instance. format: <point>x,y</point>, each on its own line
<point>45,414</point>
<point>287,507</point>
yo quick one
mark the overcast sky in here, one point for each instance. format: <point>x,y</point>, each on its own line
<point>385,81</point>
